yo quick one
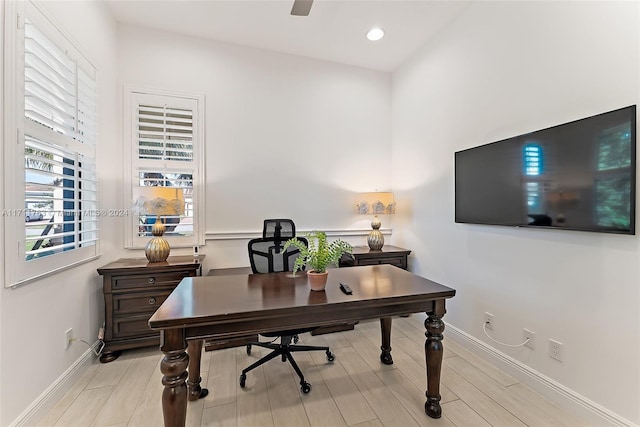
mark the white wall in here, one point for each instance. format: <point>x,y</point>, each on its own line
<point>33,317</point>
<point>500,70</point>
<point>2,108</point>
<point>286,137</point>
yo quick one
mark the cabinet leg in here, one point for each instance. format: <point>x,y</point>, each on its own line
<point>109,356</point>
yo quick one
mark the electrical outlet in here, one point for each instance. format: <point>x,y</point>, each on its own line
<point>531,336</point>
<point>68,336</point>
<point>488,320</point>
<point>555,350</point>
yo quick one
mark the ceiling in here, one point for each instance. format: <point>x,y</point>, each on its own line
<point>334,30</point>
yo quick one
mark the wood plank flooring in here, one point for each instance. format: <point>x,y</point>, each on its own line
<point>355,390</point>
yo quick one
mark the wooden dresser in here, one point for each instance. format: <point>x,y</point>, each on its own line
<point>133,290</point>
<point>393,255</point>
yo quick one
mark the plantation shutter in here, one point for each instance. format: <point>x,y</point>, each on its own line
<point>164,153</point>
<point>165,133</point>
<point>50,215</point>
<point>59,137</point>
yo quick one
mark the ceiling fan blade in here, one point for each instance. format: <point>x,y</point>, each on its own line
<point>301,7</point>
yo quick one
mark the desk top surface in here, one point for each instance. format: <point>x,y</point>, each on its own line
<point>220,299</point>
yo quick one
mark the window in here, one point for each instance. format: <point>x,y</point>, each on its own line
<point>532,160</point>
<point>165,147</point>
<point>533,167</point>
<point>50,179</point>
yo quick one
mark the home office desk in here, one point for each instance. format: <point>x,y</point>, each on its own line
<point>229,306</point>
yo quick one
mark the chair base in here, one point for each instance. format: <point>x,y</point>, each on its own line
<point>284,349</point>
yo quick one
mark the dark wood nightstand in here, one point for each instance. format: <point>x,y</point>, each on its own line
<point>133,290</point>
<point>393,255</point>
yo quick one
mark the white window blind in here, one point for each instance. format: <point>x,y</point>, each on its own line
<point>165,133</point>
<point>55,97</point>
<point>176,225</point>
<point>60,185</point>
<point>166,152</point>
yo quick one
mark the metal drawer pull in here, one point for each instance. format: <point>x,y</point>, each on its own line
<point>152,301</point>
<point>151,280</point>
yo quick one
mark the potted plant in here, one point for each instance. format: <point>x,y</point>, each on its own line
<point>318,255</point>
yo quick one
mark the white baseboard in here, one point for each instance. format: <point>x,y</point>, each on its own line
<point>48,399</point>
<point>552,390</point>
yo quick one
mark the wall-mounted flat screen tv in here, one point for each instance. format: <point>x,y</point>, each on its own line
<point>579,175</point>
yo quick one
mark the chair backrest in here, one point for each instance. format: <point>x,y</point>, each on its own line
<point>267,255</point>
<point>278,229</point>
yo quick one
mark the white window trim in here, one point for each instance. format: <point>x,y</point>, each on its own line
<point>132,241</point>
<point>18,271</point>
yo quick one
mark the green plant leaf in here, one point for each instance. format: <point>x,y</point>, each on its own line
<point>320,253</point>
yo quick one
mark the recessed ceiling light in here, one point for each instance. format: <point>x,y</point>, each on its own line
<point>375,34</point>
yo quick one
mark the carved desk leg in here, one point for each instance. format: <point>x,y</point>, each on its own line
<point>174,367</point>
<point>193,382</point>
<point>433,352</point>
<point>385,328</point>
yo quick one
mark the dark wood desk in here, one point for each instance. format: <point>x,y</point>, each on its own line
<point>230,306</point>
<point>217,344</point>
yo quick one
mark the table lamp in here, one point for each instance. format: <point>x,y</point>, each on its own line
<point>376,203</point>
<point>159,201</point>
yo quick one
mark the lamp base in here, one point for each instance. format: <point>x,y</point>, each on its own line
<point>157,250</point>
<point>375,239</point>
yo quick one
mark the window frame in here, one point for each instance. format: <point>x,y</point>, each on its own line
<point>133,165</point>
<point>18,268</point>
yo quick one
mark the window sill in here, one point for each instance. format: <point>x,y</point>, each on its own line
<point>52,272</point>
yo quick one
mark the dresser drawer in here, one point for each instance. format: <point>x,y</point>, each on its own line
<point>138,302</point>
<point>132,326</point>
<point>139,281</point>
<point>397,261</point>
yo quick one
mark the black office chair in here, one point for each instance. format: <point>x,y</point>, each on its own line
<point>266,255</point>
<point>280,229</point>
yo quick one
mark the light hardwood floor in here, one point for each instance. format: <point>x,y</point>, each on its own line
<point>354,390</point>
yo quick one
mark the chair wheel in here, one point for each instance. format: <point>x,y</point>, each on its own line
<point>306,388</point>
<point>330,356</point>
<point>248,349</point>
<point>243,380</point>
<point>296,339</point>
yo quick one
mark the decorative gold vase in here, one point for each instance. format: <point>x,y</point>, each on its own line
<point>375,238</point>
<point>157,249</point>
<point>317,281</point>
